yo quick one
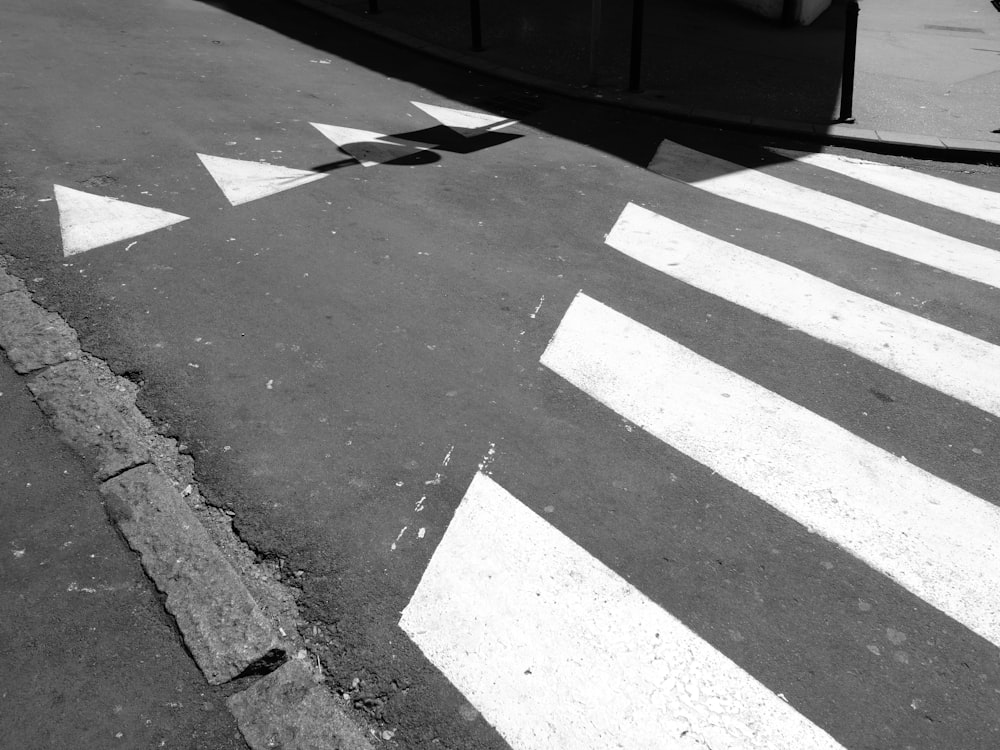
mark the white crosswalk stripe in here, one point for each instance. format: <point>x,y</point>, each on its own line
<point>510,609</point>
<point>971,201</point>
<point>932,537</point>
<point>849,220</point>
<point>930,353</point>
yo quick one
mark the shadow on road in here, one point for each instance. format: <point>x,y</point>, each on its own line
<point>414,148</point>
<point>702,53</point>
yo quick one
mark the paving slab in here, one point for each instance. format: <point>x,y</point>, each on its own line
<point>292,710</point>
<point>90,659</point>
<point>225,629</point>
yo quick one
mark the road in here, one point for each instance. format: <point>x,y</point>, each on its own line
<point>561,451</point>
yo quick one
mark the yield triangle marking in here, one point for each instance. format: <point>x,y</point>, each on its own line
<point>368,147</point>
<point>243,181</point>
<point>463,121</point>
<point>88,221</point>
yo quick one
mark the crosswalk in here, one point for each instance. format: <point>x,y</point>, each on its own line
<point>844,218</point>
<point>555,648</point>
<point>510,608</point>
<point>526,623</point>
<point>955,363</point>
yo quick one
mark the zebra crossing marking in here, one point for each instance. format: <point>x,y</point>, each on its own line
<point>954,196</point>
<point>243,181</point>
<point>852,221</point>
<point>931,537</point>
<point>513,613</point>
<point>88,221</point>
<point>952,362</point>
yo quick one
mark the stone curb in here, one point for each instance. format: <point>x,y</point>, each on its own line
<point>226,630</point>
<point>288,709</point>
<point>32,337</point>
<point>71,398</point>
<point>838,134</point>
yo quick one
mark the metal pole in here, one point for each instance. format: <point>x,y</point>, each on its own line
<point>789,8</point>
<point>373,6</point>
<point>850,50</point>
<point>635,65</point>
<point>595,38</point>
<point>475,18</point>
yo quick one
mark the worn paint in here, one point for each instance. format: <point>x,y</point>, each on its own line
<point>537,308</point>
<point>399,536</point>
<point>488,457</point>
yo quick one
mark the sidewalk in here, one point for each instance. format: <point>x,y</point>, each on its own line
<point>927,71</point>
<point>90,658</point>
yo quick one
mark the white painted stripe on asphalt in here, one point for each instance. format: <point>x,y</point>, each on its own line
<point>557,651</point>
<point>931,537</point>
<point>242,181</point>
<point>850,220</point>
<point>965,199</point>
<point>87,221</point>
<point>366,146</point>
<point>955,363</point>
<point>463,121</point>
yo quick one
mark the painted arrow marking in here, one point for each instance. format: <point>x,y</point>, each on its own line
<point>245,181</point>
<point>558,651</point>
<point>463,121</point>
<point>368,147</point>
<point>87,221</point>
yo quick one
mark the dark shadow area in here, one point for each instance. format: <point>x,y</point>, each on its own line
<point>393,154</point>
<point>441,138</point>
<point>415,148</point>
<point>698,52</point>
<point>332,166</point>
<point>708,54</point>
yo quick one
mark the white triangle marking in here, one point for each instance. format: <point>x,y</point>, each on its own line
<point>463,121</point>
<point>243,181</point>
<point>88,221</point>
<point>368,147</point>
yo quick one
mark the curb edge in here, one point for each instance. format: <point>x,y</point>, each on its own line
<point>300,720</point>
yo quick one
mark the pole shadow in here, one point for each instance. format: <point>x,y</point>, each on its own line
<point>415,148</point>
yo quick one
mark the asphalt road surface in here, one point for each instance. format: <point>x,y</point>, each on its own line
<point>726,428</point>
